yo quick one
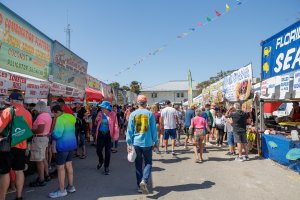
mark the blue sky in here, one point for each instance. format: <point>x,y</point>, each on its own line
<point>114,34</point>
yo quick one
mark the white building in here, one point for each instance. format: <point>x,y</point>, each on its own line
<point>175,91</point>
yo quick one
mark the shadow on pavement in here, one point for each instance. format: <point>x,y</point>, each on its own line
<point>157,169</point>
<point>162,191</point>
<point>220,159</point>
<point>175,159</point>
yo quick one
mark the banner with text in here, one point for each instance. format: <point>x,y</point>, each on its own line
<point>237,86</point>
<point>281,52</point>
<point>93,83</point>
<point>60,90</point>
<point>23,48</point>
<point>67,68</point>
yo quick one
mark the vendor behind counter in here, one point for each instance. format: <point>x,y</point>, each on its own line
<point>295,113</point>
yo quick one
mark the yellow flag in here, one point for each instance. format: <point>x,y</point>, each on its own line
<point>227,8</point>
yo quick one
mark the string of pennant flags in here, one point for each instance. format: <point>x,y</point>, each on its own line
<point>200,24</point>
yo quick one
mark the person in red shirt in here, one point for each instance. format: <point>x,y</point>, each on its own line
<point>65,107</point>
<point>14,159</point>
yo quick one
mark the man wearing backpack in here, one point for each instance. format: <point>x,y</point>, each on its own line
<point>15,159</point>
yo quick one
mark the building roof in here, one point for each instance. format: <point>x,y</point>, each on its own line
<point>170,86</point>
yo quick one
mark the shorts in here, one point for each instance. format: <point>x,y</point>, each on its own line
<point>186,131</point>
<point>38,148</point>
<point>63,157</point>
<point>15,160</point>
<point>230,139</point>
<point>170,133</point>
<point>240,138</point>
<point>199,135</point>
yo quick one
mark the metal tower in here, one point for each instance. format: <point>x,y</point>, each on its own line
<point>68,36</point>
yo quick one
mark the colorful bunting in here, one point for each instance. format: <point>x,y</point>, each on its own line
<point>182,35</point>
<point>218,14</point>
<point>227,8</point>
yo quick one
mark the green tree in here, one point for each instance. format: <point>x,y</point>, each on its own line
<point>126,88</point>
<point>115,85</point>
<point>135,87</point>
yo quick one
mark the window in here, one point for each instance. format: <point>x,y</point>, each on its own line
<point>178,95</point>
<point>154,95</point>
<point>182,94</point>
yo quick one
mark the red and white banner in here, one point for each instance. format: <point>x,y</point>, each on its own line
<point>37,89</point>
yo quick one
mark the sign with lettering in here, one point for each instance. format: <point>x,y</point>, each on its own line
<point>68,68</point>
<point>23,48</point>
<point>37,89</point>
<point>237,86</point>
<point>281,52</point>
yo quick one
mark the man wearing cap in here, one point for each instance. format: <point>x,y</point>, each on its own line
<point>169,122</point>
<point>80,126</point>
<point>142,135</point>
<point>14,159</point>
<point>106,132</point>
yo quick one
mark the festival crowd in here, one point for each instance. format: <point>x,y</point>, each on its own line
<point>61,133</point>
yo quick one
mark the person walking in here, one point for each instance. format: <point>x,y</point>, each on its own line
<point>154,110</point>
<point>106,132</point>
<point>210,120</point>
<point>142,136</point>
<point>41,131</point>
<point>198,126</point>
<point>179,127</point>
<point>230,139</point>
<point>189,114</point>
<point>81,115</point>
<point>169,122</point>
<point>64,135</point>
<point>220,125</point>
<point>15,159</point>
<point>238,119</point>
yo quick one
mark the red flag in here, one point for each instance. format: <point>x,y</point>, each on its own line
<point>218,14</point>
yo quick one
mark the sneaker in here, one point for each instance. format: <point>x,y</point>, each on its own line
<point>47,178</point>
<point>106,171</point>
<point>37,183</point>
<point>143,187</point>
<point>71,189</point>
<point>58,193</point>
<point>139,190</point>
<point>166,152</point>
<point>239,159</point>
<point>208,144</point>
<point>246,158</point>
<point>99,165</point>
<point>173,153</point>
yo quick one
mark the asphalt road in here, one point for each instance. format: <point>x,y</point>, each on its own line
<point>176,178</point>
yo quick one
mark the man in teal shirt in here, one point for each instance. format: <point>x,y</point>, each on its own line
<point>142,135</point>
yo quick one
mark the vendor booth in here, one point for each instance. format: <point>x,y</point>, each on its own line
<point>281,83</point>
